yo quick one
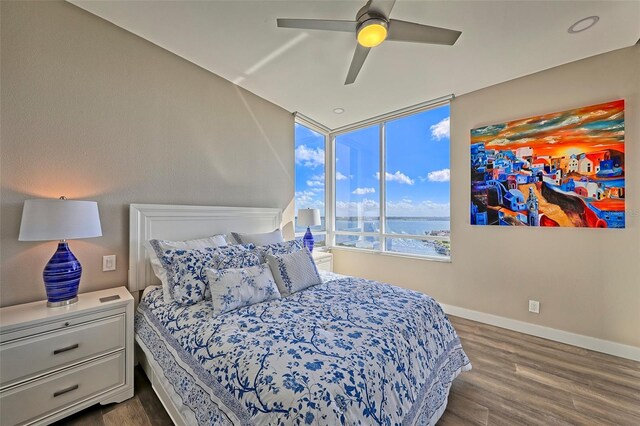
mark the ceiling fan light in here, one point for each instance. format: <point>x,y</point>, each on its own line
<point>372,32</point>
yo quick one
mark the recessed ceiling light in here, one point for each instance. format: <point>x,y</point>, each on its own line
<point>338,110</point>
<point>583,24</point>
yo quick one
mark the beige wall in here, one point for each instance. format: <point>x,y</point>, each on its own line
<point>93,112</point>
<point>587,280</point>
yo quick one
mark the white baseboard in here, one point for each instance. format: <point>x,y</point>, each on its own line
<point>598,345</point>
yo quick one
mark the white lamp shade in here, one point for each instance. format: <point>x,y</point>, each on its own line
<point>309,217</point>
<point>54,219</point>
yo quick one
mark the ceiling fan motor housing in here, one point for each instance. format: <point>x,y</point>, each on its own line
<point>371,30</point>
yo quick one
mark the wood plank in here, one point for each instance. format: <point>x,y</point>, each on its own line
<point>617,402</point>
<point>602,414</point>
<point>88,416</point>
<point>152,406</point>
<point>451,419</point>
<point>127,413</point>
<point>547,407</point>
<point>540,342</point>
<point>469,411</point>
<point>518,412</point>
<point>534,375</point>
<point>581,367</point>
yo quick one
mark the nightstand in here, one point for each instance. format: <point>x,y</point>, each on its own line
<point>56,361</point>
<point>324,260</point>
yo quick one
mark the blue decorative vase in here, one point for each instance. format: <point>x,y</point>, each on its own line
<point>308,240</point>
<point>62,277</point>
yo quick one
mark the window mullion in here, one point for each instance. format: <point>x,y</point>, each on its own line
<point>330,190</point>
<point>383,187</point>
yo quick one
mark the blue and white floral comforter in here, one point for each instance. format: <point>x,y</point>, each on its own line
<point>349,351</point>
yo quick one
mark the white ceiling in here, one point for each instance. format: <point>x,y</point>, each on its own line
<point>304,71</point>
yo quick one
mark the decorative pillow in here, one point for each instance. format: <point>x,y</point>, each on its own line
<point>278,248</point>
<point>259,239</point>
<point>238,287</point>
<point>186,274</point>
<point>294,272</point>
<point>158,246</point>
<point>242,259</point>
<point>184,269</point>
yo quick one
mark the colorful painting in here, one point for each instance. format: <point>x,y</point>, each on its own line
<point>560,169</point>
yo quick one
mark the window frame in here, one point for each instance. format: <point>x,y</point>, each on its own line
<point>325,132</point>
<point>330,193</point>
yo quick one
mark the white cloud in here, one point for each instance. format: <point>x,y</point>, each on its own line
<point>362,191</point>
<point>570,120</point>
<point>304,196</point>
<point>316,181</point>
<point>310,157</point>
<point>498,142</point>
<point>441,129</point>
<point>403,208</point>
<point>398,176</point>
<point>406,208</point>
<point>365,207</point>
<point>443,175</point>
<point>340,176</point>
<point>308,200</point>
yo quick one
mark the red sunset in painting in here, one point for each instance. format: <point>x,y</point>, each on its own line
<point>558,169</point>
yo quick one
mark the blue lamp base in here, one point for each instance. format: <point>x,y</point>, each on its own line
<point>62,277</point>
<point>308,240</point>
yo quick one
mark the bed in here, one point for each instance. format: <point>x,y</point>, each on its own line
<point>347,351</point>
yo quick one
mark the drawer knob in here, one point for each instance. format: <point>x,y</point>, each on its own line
<point>66,390</point>
<point>68,348</point>
<point>67,324</point>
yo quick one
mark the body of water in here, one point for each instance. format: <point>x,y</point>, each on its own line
<point>395,225</point>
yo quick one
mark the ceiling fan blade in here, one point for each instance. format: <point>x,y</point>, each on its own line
<point>318,24</point>
<point>418,33</point>
<point>381,7</point>
<point>356,63</point>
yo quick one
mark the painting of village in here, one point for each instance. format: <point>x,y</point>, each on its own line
<point>561,169</point>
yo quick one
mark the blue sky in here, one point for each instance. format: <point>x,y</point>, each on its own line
<point>417,167</point>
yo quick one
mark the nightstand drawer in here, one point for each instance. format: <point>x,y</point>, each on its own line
<point>323,260</point>
<point>24,358</point>
<point>45,396</point>
<point>325,265</point>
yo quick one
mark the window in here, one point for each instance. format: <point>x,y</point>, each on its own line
<point>357,159</point>
<point>407,211</point>
<point>310,177</point>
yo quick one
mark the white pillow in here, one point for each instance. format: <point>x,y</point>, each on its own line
<point>235,288</point>
<point>294,272</point>
<point>186,269</point>
<point>153,246</point>
<point>259,239</point>
<point>278,248</point>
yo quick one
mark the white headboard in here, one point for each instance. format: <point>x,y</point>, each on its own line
<point>173,222</point>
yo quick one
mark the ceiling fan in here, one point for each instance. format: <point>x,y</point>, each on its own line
<point>373,26</point>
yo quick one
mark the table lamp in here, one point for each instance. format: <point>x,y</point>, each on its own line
<point>61,219</point>
<point>308,217</point>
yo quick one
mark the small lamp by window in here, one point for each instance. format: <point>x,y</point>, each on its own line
<point>62,219</point>
<point>308,218</point>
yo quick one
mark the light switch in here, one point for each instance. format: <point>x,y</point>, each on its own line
<point>109,263</point>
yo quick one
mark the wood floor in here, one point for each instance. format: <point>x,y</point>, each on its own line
<point>519,379</point>
<point>144,409</point>
<point>516,380</point>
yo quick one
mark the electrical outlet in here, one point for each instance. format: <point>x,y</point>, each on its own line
<point>534,306</point>
<point>109,263</point>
